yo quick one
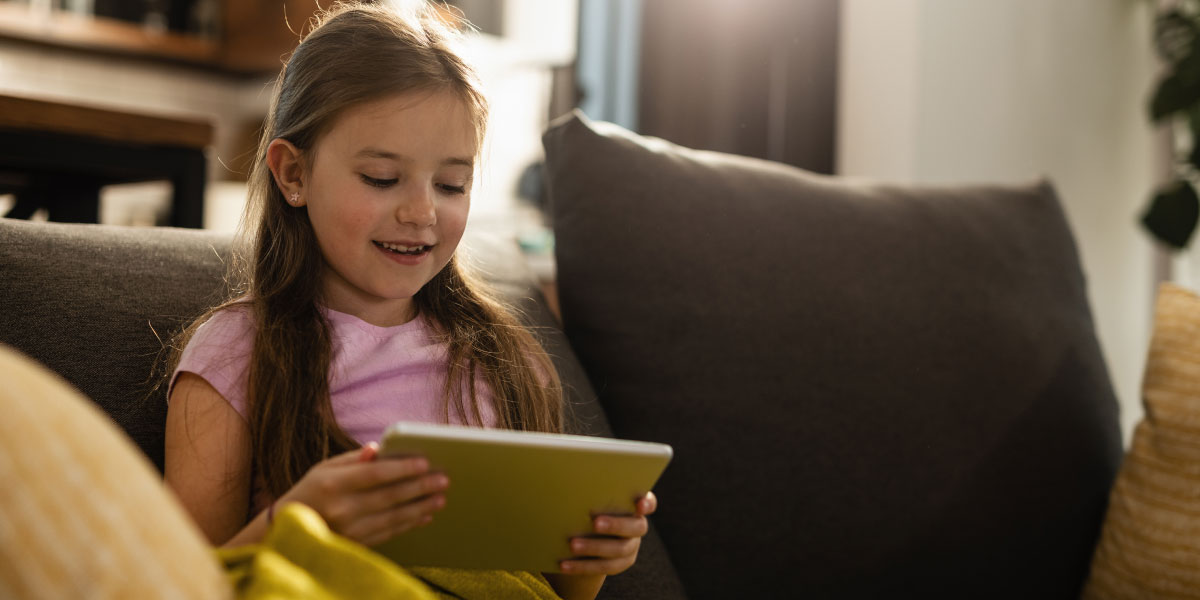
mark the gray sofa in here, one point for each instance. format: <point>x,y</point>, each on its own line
<point>872,390</point>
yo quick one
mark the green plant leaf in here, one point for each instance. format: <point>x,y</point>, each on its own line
<point>1170,97</point>
<point>1193,120</point>
<point>1194,156</point>
<point>1173,213</point>
<point>1175,35</point>
<point>1179,90</point>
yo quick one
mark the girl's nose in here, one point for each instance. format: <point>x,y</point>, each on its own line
<point>417,207</point>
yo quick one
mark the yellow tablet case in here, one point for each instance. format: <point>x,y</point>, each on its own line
<point>516,498</point>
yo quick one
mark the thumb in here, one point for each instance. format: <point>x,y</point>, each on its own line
<point>646,505</point>
<point>369,452</point>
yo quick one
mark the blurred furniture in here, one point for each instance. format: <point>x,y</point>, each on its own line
<point>58,156</point>
<point>251,40</point>
<point>21,22</point>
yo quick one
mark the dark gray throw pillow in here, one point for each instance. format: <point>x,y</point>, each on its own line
<point>872,390</point>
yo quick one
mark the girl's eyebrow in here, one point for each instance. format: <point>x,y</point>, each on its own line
<point>377,153</point>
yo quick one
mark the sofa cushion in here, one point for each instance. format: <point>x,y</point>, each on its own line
<point>92,302</point>
<point>870,389</point>
<point>1150,545</point>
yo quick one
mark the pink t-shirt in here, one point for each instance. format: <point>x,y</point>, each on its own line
<point>378,375</point>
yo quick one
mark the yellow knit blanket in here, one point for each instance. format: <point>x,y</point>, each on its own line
<point>302,559</point>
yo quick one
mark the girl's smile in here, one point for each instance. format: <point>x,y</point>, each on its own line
<point>405,253</point>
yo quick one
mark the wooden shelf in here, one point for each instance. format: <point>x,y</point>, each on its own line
<point>255,36</point>
<point>29,114</point>
<point>103,35</point>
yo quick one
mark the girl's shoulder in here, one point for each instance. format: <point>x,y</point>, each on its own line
<point>231,321</point>
<point>219,352</point>
<point>225,338</point>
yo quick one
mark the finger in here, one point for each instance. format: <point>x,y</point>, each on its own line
<point>415,514</point>
<point>628,527</point>
<point>349,511</point>
<point>368,452</point>
<point>403,492</point>
<point>593,566</point>
<point>384,525</point>
<point>597,547</point>
<point>373,474</point>
<point>646,505</point>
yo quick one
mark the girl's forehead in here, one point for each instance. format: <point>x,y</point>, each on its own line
<point>430,120</point>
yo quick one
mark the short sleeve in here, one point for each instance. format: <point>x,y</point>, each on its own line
<point>219,352</point>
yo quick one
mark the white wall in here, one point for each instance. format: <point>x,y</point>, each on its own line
<point>979,90</point>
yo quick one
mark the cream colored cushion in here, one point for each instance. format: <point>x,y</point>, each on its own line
<point>1150,545</point>
<point>83,514</point>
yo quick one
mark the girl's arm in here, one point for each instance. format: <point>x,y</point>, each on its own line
<point>208,467</point>
<point>611,549</point>
<point>207,460</point>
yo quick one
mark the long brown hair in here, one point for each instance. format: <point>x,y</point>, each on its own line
<point>356,53</point>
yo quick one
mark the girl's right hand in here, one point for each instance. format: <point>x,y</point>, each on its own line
<point>368,500</point>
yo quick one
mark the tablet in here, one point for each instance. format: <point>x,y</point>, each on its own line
<point>516,498</point>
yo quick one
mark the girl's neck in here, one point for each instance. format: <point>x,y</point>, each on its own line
<point>340,295</point>
<point>379,314</point>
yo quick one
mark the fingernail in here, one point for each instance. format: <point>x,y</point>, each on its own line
<point>602,524</point>
<point>576,546</point>
<point>566,567</point>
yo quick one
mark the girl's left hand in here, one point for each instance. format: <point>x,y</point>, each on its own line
<point>614,545</point>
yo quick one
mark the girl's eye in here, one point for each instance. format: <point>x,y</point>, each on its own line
<point>379,183</point>
<point>453,189</point>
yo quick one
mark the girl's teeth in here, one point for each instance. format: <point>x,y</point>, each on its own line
<point>398,248</point>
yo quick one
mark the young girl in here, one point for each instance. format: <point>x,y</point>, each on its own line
<point>354,312</point>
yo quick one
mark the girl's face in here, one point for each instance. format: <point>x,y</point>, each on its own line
<point>387,195</point>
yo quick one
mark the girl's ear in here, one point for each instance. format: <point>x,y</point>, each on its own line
<point>287,167</point>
